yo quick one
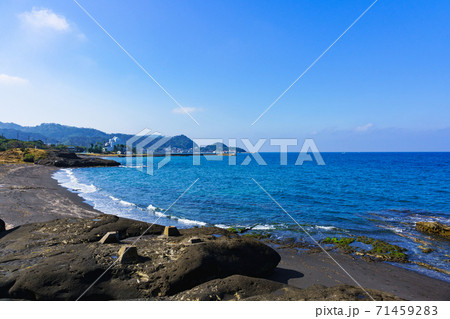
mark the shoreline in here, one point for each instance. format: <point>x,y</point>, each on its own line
<point>29,194</point>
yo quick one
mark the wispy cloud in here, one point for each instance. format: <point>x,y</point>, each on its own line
<point>38,19</point>
<point>185,109</point>
<point>12,80</point>
<point>363,128</point>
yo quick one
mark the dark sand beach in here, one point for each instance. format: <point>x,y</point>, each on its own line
<point>28,194</point>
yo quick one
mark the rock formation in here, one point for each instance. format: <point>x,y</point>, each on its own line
<point>69,159</point>
<point>434,228</point>
<point>60,259</point>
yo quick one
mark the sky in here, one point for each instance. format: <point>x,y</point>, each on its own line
<point>383,86</point>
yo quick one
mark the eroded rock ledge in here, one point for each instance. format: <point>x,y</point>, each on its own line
<point>434,228</point>
<point>69,159</point>
<point>60,259</point>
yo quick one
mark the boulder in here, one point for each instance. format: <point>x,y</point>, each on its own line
<point>214,259</point>
<point>128,255</point>
<point>110,238</point>
<point>434,228</point>
<point>171,231</point>
<point>2,226</point>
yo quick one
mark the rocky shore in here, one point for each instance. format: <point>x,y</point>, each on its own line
<point>54,248</point>
<point>60,259</point>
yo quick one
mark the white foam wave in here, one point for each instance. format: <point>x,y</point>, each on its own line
<point>125,203</point>
<point>160,214</point>
<point>325,227</point>
<point>121,202</point>
<point>190,222</point>
<point>134,166</point>
<point>263,227</point>
<point>74,184</point>
<point>156,211</point>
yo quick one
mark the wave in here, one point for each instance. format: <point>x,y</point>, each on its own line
<point>325,227</point>
<point>71,182</point>
<point>156,211</point>
<point>110,204</point>
<point>263,227</point>
<point>190,222</point>
<point>125,203</point>
<point>134,166</point>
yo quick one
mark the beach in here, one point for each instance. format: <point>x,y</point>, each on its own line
<point>28,194</point>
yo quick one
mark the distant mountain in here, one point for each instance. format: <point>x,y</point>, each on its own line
<point>20,135</point>
<point>51,133</point>
<point>178,144</point>
<point>220,147</point>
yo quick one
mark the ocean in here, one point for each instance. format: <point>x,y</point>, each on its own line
<point>380,195</point>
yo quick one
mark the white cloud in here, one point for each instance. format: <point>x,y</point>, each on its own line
<point>363,128</point>
<point>179,110</point>
<point>38,19</point>
<point>12,80</point>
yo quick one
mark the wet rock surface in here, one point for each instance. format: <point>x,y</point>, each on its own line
<point>434,228</point>
<point>60,259</point>
<point>68,159</point>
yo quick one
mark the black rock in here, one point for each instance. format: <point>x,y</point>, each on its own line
<point>70,159</point>
<point>214,259</point>
<point>2,226</point>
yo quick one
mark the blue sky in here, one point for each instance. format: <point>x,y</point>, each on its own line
<point>382,87</point>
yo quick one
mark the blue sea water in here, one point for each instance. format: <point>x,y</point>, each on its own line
<point>381,195</point>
